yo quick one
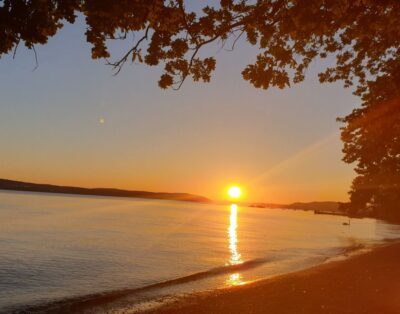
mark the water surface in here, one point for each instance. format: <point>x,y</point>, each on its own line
<point>54,247</point>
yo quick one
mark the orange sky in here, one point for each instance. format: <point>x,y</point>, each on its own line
<point>71,122</point>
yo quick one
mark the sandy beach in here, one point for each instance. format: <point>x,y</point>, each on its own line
<point>366,283</point>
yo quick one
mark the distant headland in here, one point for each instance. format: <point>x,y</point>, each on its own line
<point>5,184</point>
<point>49,188</point>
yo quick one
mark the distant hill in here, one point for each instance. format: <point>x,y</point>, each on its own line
<point>334,207</point>
<point>48,188</point>
<point>321,206</point>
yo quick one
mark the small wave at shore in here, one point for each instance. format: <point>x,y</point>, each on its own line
<point>347,252</point>
<point>79,304</point>
<point>359,248</point>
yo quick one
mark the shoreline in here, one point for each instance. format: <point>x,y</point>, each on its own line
<point>363,283</point>
<point>335,279</point>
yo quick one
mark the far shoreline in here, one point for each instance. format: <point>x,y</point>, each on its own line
<point>11,185</point>
<point>6,185</point>
<point>92,196</point>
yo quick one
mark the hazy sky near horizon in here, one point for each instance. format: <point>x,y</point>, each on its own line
<point>72,122</point>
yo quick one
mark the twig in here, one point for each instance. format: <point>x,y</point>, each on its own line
<point>36,58</point>
<point>235,41</point>
<point>16,47</point>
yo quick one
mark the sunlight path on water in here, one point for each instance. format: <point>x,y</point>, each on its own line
<point>235,258</point>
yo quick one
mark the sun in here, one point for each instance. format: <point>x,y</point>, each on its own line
<point>234,192</point>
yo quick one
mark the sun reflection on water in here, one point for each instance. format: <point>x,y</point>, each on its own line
<point>235,255</point>
<point>234,280</point>
<point>235,258</point>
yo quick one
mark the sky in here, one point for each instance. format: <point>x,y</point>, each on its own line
<point>71,122</point>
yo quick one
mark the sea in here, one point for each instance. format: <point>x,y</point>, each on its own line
<point>117,255</point>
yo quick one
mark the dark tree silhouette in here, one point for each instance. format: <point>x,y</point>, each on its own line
<point>371,138</point>
<point>363,36</point>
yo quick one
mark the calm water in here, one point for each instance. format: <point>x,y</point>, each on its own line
<point>54,247</point>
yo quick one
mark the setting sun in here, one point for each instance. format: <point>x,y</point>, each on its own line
<point>234,192</point>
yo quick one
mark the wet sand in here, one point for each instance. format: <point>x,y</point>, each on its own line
<point>366,283</point>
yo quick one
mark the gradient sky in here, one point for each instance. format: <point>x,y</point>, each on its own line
<point>281,145</point>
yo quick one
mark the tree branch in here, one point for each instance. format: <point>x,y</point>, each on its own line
<point>119,64</point>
